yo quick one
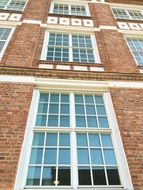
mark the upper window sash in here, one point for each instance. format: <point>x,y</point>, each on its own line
<point>69,9</point>
<point>128,14</point>
<point>16,5</point>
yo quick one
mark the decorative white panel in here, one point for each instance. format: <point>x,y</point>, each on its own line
<point>45,66</point>
<point>134,26</point>
<point>123,25</point>
<point>88,23</point>
<point>80,68</point>
<point>63,67</point>
<point>76,22</point>
<point>15,17</point>
<point>52,20</point>
<point>96,69</point>
<point>4,16</point>
<point>64,21</point>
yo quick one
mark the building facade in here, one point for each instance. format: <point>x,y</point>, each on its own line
<point>71,93</point>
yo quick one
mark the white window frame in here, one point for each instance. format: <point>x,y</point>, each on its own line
<point>7,41</point>
<point>135,37</point>
<point>126,10</point>
<point>69,5</point>
<point>93,41</point>
<point>117,142</point>
<point>9,1</point>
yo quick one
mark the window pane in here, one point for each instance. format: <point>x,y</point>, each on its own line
<point>49,175</point>
<point>64,156</point>
<point>54,108</point>
<point>109,157</point>
<point>53,121</point>
<point>79,109</point>
<point>78,99</point>
<point>99,176</point>
<point>38,139</point>
<point>36,156</point>
<point>84,176</point>
<point>83,157</point>
<point>91,121</point>
<point>81,140</point>
<point>51,139</point>
<point>99,100</point>
<point>64,140</point>
<point>41,120</point>
<point>106,140</point>
<point>64,121</point>
<point>80,121</point>
<point>101,110</point>
<point>50,156</point>
<point>33,177</point>
<point>103,123</point>
<point>64,109</point>
<point>44,97</point>
<point>96,156</point>
<point>42,108</point>
<point>64,175</point>
<point>54,98</point>
<point>113,176</point>
<point>64,98</point>
<point>94,140</point>
<point>89,99</point>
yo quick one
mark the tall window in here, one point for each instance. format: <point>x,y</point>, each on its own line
<point>71,48</point>
<point>16,5</point>
<point>72,136</point>
<point>136,47</point>
<point>130,14</point>
<point>69,9</point>
<point>4,38</point>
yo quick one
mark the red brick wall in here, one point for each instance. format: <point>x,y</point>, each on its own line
<point>128,106</point>
<point>15,100</point>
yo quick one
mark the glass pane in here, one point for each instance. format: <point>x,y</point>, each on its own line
<point>90,110</point>
<point>51,139</point>
<point>50,156</point>
<point>109,157</point>
<point>33,177</point>
<point>44,97</point>
<point>83,157</point>
<point>81,140</point>
<point>54,108</point>
<point>99,176</point>
<point>64,140</point>
<point>96,156</point>
<point>64,156</point>
<point>94,140</point>
<point>41,120</point>
<point>99,100</point>
<point>89,99</point>
<point>53,120</point>
<point>64,109</point>
<point>113,176</point>
<point>54,98</point>
<point>91,121</point>
<point>101,110</point>
<point>64,175</point>
<point>36,156</point>
<point>84,176</point>
<point>78,99</point>
<point>106,140</point>
<point>49,175</point>
<point>38,139</point>
<point>80,121</point>
<point>103,123</point>
<point>64,121</point>
<point>64,98</point>
<point>42,108</point>
<point>79,109</point>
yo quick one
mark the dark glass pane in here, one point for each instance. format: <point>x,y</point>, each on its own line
<point>41,120</point>
<point>84,176</point>
<point>33,177</point>
<point>51,139</point>
<point>81,140</point>
<point>89,99</point>
<point>83,157</point>
<point>96,156</point>
<point>38,139</point>
<point>53,120</point>
<point>64,156</point>
<point>109,157</point>
<point>80,121</point>
<point>49,175</point>
<point>36,156</point>
<point>54,98</point>
<point>94,140</point>
<point>78,99</point>
<point>44,97</point>
<point>103,123</point>
<point>64,98</point>
<point>54,108</point>
<point>64,140</point>
<point>99,176</point>
<point>64,175</point>
<point>64,109</point>
<point>113,176</point>
<point>50,156</point>
<point>106,140</point>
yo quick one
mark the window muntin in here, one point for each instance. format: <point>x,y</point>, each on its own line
<point>136,47</point>
<point>70,47</point>
<point>16,5</point>
<point>69,9</point>
<point>130,14</point>
<point>51,160</point>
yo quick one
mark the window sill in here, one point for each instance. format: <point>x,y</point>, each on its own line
<point>70,16</point>
<point>78,188</point>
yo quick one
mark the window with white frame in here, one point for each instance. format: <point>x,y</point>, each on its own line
<point>5,34</point>
<point>70,48</point>
<point>72,143</point>
<point>69,9</point>
<point>17,5</point>
<point>136,47</point>
<point>129,14</point>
